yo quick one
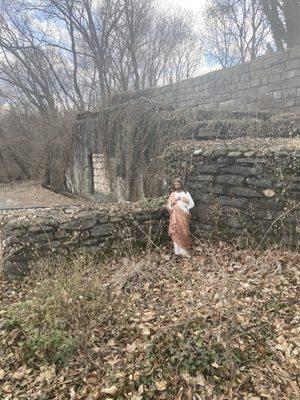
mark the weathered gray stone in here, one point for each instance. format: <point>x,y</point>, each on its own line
<point>40,228</point>
<point>277,95</point>
<point>233,202</point>
<point>294,186</point>
<point>204,178</point>
<point>101,230</point>
<point>200,186</point>
<point>250,160</point>
<point>15,268</point>
<point>79,223</point>
<point>69,236</point>
<point>115,219</point>
<point>197,152</point>
<point>207,168</point>
<point>38,236</point>
<point>230,179</point>
<point>93,242</point>
<point>240,170</point>
<point>220,190</point>
<point>290,74</point>
<point>249,154</point>
<point>264,214</point>
<point>244,192</point>
<point>234,154</point>
<point>266,203</point>
<point>203,197</point>
<point>295,195</point>
<point>294,52</point>
<point>260,183</point>
<point>242,85</point>
<point>9,241</point>
<point>61,233</point>
<point>292,64</point>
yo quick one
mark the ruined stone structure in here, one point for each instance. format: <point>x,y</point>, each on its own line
<point>31,236</point>
<point>269,82</point>
<point>250,194</point>
<point>104,177</point>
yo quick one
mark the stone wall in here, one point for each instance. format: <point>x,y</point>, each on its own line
<point>29,237</point>
<point>245,193</point>
<point>250,192</point>
<point>100,180</point>
<point>268,82</point>
<point>19,184</point>
<point>114,149</point>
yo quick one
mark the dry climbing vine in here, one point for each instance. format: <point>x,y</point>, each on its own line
<point>135,133</point>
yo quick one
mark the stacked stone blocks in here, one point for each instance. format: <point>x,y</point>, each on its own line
<point>242,191</point>
<point>268,82</point>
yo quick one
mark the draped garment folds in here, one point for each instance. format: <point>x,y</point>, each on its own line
<point>179,224</point>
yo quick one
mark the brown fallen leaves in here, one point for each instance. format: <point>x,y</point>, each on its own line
<point>221,325</point>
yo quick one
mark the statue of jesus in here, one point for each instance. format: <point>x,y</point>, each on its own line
<point>179,204</point>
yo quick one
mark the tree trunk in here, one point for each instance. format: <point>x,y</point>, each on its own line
<point>292,18</point>
<point>277,27</point>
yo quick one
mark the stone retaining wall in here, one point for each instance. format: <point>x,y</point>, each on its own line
<point>29,237</point>
<point>19,184</point>
<point>268,82</point>
<point>245,193</point>
<point>249,194</point>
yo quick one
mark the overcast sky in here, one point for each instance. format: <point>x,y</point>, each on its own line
<point>195,5</point>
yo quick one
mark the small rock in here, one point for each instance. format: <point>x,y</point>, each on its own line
<point>234,154</point>
<point>269,193</point>
<point>220,152</point>
<point>197,152</point>
<point>249,154</point>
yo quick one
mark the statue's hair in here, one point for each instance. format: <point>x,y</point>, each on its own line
<point>179,180</point>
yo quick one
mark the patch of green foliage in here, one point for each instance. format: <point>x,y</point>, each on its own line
<point>43,335</point>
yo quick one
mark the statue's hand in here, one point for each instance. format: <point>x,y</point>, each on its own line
<point>186,200</point>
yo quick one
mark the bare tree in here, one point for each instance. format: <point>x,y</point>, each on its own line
<point>284,17</point>
<point>32,70</point>
<point>62,56</point>
<point>220,44</point>
<point>187,47</point>
<point>237,30</point>
<point>102,47</point>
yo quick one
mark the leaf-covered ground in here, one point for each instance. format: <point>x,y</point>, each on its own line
<point>221,325</point>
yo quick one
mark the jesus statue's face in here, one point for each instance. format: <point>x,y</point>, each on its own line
<point>177,186</point>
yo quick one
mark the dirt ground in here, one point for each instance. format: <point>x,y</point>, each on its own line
<point>32,196</point>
